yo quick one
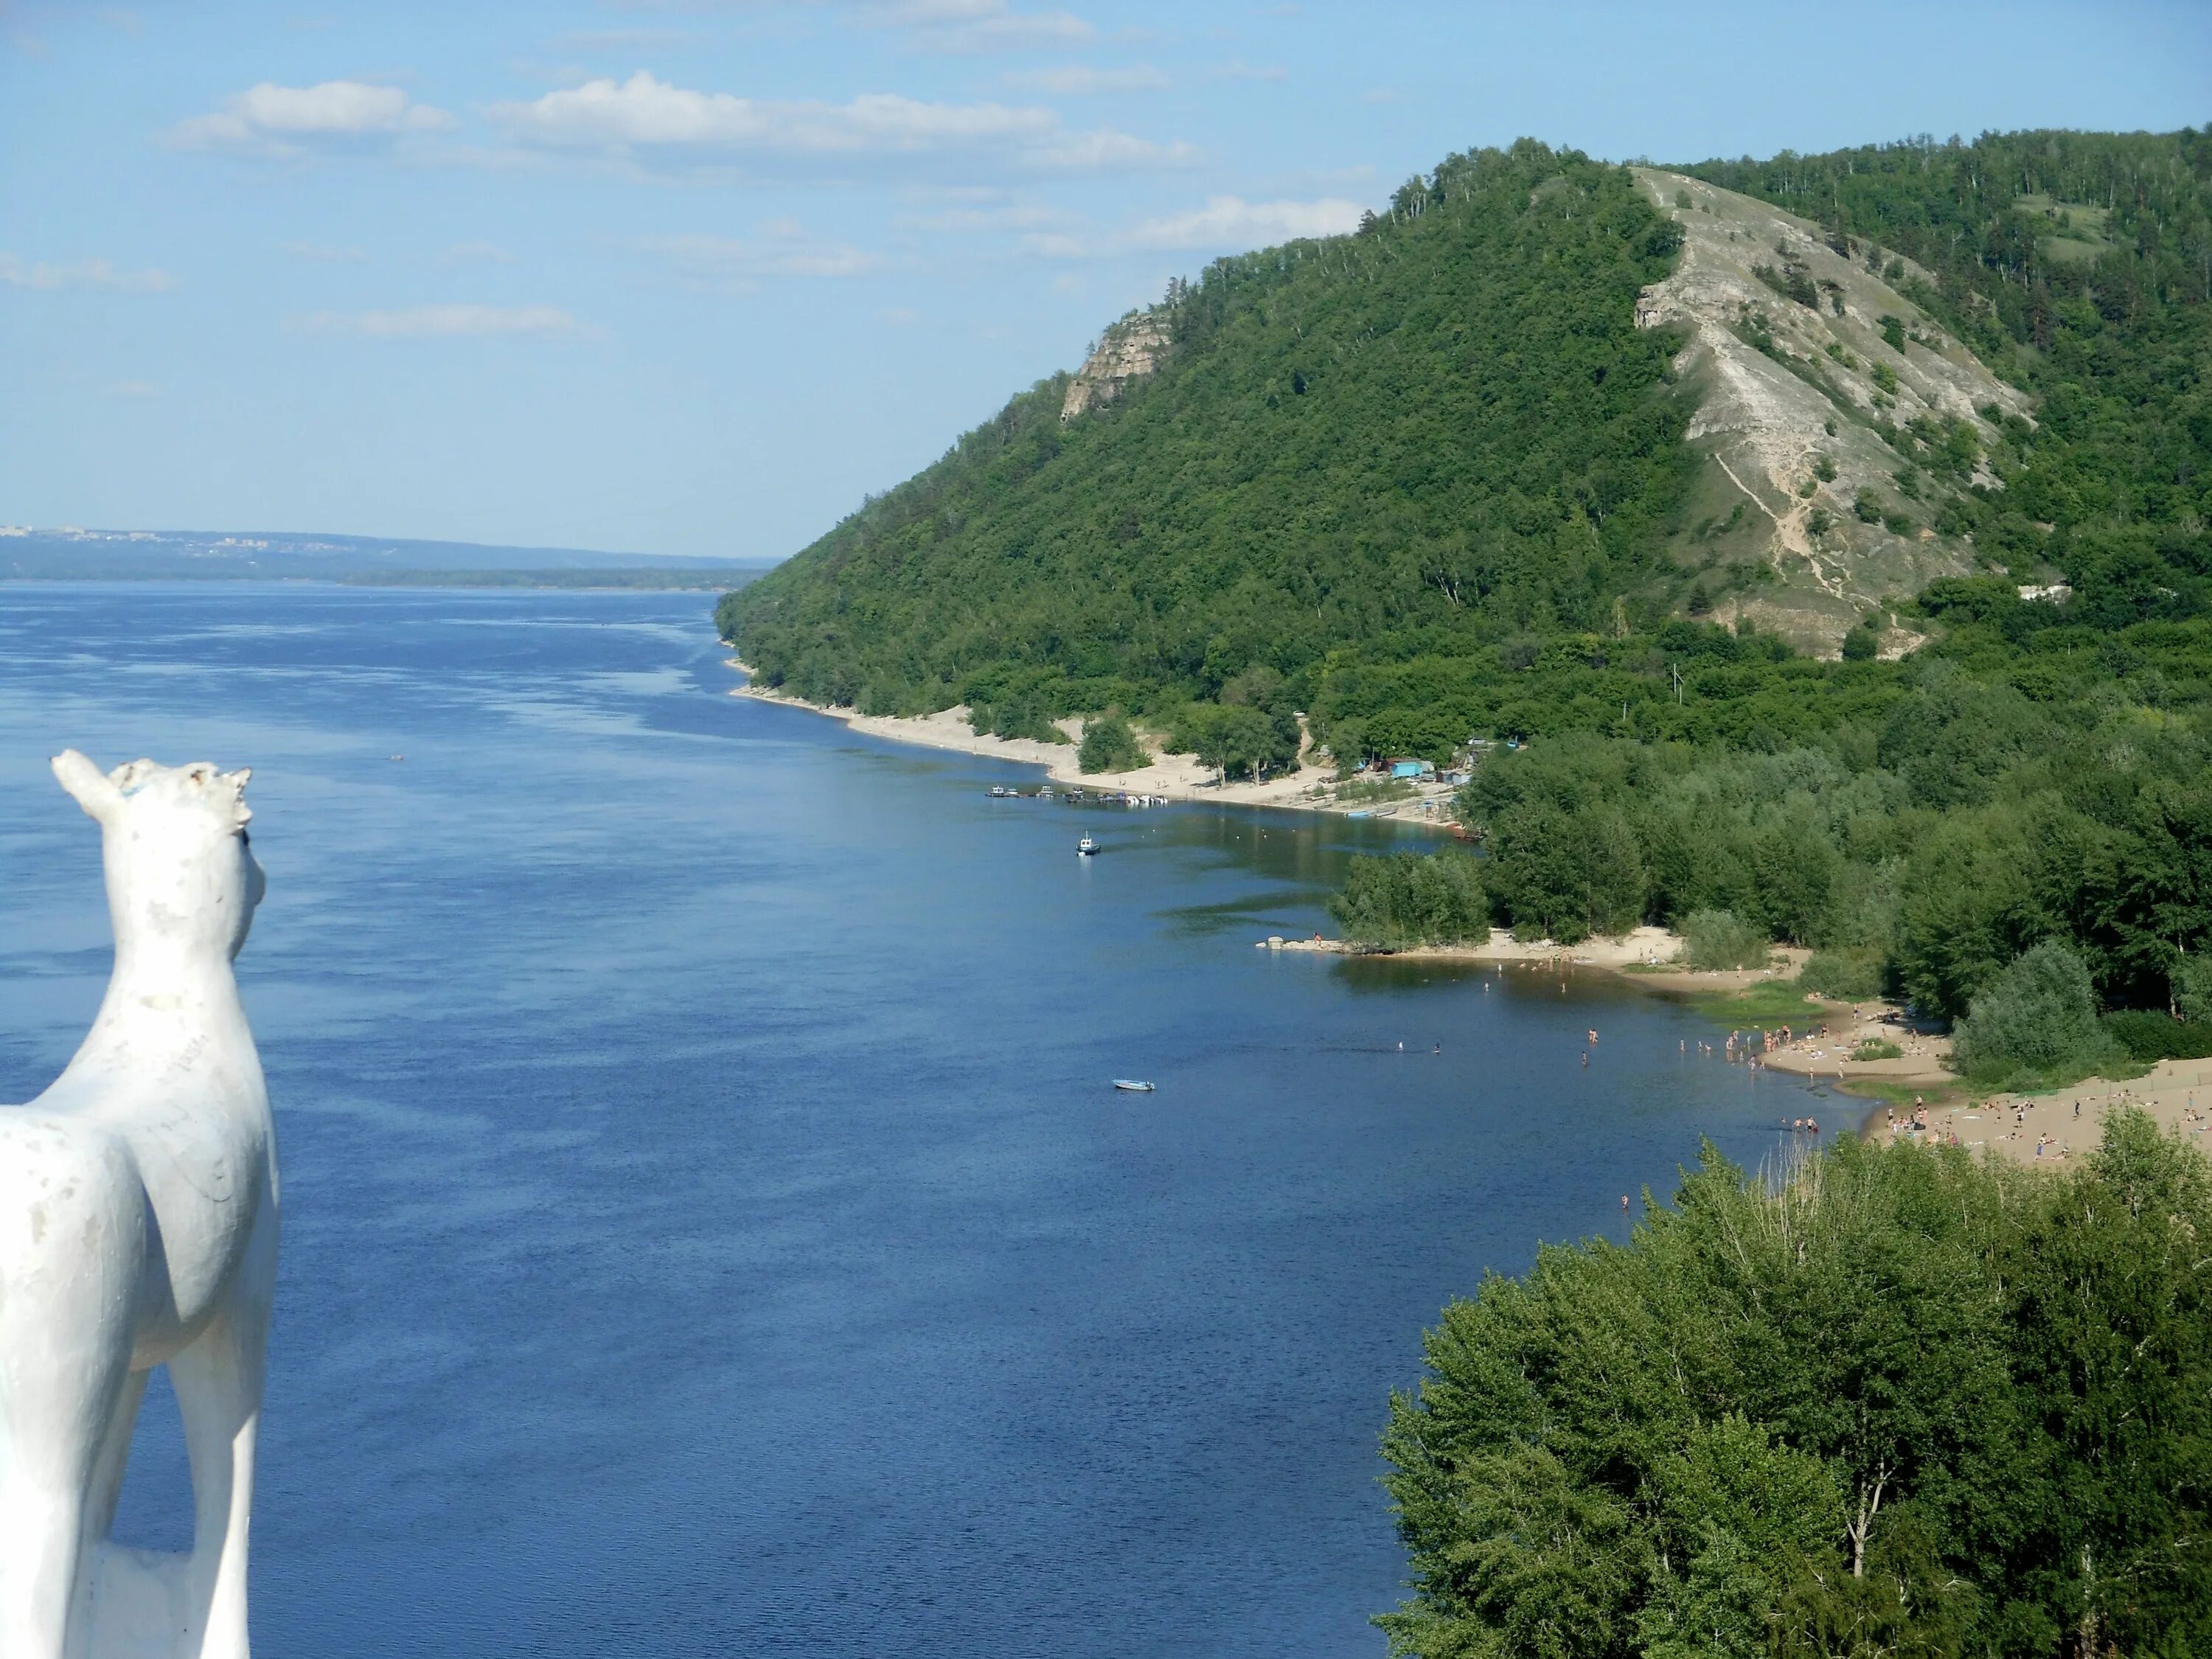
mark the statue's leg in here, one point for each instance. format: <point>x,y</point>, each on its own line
<point>114,1458</point>
<point>72,1247</point>
<point>218,1381</point>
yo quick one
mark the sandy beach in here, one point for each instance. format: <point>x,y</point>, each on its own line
<point>2066,1123</point>
<point>1311,788</point>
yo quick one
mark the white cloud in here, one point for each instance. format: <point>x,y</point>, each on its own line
<point>1231,221</point>
<point>322,253</point>
<point>646,114</point>
<point>782,249</point>
<point>1236,69</point>
<point>270,120</point>
<point>475,253</point>
<point>442,322</point>
<point>133,389</point>
<point>1082,81</point>
<point>95,274</point>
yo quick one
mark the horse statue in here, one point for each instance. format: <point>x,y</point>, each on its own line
<point>137,1229</point>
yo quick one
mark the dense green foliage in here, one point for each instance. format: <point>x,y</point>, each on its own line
<point>2006,794</point>
<point>1109,745</point>
<point>1909,1404</point>
<point>1720,939</point>
<point>2080,266</point>
<point>2036,1023</point>
<point>1433,898</point>
<point>1444,428</point>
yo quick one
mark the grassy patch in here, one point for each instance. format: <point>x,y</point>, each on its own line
<point>1769,1002</point>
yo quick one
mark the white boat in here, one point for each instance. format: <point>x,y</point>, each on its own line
<point>1086,847</point>
<point>1132,1085</point>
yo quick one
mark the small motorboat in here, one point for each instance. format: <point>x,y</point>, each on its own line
<point>1086,847</point>
<point>1130,1085</point>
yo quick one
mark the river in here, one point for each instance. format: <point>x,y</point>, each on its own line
<point>708,1226</point>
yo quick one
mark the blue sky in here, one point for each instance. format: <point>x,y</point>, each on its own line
<point>679,276</point>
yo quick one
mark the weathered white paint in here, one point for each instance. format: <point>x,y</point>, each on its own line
<point>137,1229</point>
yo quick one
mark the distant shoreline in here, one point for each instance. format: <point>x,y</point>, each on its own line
<point>1175,777</point>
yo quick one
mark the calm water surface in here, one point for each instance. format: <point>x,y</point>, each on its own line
<point>709,1228</point>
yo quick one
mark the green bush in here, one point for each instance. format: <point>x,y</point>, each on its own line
<point>1862,644</point>
<point>1671,1447</point>
<point>1109,745</point>
<point>2036,1023</point>
<point>2191,983</point>
<point>1877,1049</point>
<point>1722,939</point>
<point>1434,898</point>
<point>2150,1034</point>
<point>1849,976</point>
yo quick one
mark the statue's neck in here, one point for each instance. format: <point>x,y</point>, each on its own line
<point>161,999</point>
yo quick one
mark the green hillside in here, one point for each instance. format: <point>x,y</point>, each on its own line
<point>1442,430</point>
<point>1431,479</point>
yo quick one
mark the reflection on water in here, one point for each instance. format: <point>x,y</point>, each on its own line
<point>710,1227</point>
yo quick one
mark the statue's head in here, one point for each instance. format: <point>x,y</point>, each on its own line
<point>181,871</point>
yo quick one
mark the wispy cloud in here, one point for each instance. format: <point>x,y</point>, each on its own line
<point>283,122</point>
<point>98,275</point>
<point>1232,221</point>
<point>647,116</point>
<point>134,389</point>
<point>781,248</point>
<point>1083,81</point>
<point>441,322</point>
<point>968,221</point>
<point>1224,223</point>
<point>321,253</point>
<point>1237,69</point>
<point>478,253</point>
<point>970,28</point>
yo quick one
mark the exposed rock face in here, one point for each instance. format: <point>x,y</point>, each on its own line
<point>1131,350</point>
<point>1764,421</point>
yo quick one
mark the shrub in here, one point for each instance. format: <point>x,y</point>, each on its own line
<point>1849,976</point>
<point>2037,1023</point>
<point>1862,644</point>
<point>2150,1034</point>
<point>1109,745</point>
<point>1877,1049</point>
<point>1434,898</point>
<point>2191,981</point>
<point>1722,939</point>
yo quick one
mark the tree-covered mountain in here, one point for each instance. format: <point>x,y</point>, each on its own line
<point>1432,478</point>
<point>1443,429</point>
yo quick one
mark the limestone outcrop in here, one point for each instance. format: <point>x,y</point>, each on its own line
<point>1131,350</point>
<point>1798,351</point>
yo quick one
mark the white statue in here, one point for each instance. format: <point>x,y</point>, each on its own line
<point>137,1229</point>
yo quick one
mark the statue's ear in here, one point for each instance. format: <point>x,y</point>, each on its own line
<point>89,785</point>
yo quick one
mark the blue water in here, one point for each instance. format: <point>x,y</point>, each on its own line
<point>707,1228</point>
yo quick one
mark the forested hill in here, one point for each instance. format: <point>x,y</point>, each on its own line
<point>1442,430</point>
<point>1432,479</point>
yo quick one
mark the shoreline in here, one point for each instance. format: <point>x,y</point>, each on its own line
<point>1645,957</point>
<point>1175,777</point>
